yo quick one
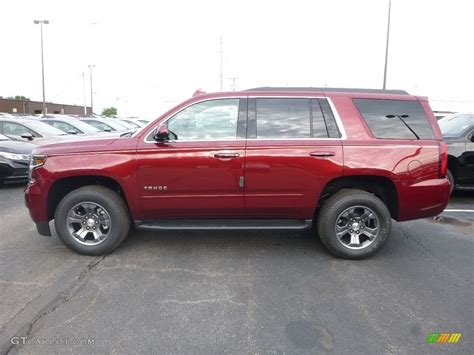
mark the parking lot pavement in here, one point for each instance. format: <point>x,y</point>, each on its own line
<point>236,292</point>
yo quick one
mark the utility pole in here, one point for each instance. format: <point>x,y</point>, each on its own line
<point>92,92</point>
<point>386,46</point>
<point>41,22</point>
<point>221,60</point>
<point>84,87</point>
<point>234,82</point>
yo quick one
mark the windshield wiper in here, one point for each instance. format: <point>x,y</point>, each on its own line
<point>401,118</point>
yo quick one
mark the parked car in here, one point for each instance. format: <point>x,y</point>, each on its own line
<point>346,161</point>
<point>458,131</point>
<point>73,126</point>
<point>106,124</point>
<point>14,158</point>
<point>134,122</point>
<point>30,130</point>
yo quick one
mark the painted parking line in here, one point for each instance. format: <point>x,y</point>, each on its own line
<point>454,210</point>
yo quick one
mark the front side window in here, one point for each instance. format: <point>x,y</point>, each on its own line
<point>101,126</point>
<point>283,118</point>
<point>15,129</point>
<point>63,126</point>
<point>213,119</point>
<point>396,119</point>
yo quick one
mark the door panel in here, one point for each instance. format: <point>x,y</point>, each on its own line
<point>283,179</point>
<point>187,180</point>
<point>198,173</point>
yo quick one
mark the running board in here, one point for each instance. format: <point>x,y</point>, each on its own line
<point>224,224</point>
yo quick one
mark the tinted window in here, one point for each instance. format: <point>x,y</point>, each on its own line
<point>331,125</point>
<point>283,118</point>
<point>213,119</point>
<point>395,118</point>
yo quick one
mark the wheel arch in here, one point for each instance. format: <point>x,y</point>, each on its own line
<point>63,186</point>
<point>380,186</point>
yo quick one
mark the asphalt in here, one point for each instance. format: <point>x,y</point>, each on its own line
<point>236,292</point>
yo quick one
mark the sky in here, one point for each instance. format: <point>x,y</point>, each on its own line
<point>151,55</point>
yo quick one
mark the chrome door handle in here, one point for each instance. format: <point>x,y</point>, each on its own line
<point>226,155</point>
<point>322,154</point>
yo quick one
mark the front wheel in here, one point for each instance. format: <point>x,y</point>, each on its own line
<point>92,220</point>
<point>354,224</point>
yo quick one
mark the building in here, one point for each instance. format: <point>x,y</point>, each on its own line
<point>36,107</point>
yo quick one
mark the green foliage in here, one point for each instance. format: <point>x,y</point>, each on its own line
<point>19,97</point>
<point>109,112</point>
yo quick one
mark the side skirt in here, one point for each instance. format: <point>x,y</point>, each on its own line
<point>224,224</point>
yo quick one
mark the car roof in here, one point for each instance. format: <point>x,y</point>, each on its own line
<point>325,89</point>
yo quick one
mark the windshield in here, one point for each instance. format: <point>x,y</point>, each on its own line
<point>456,125</point>
<point>44,129</point>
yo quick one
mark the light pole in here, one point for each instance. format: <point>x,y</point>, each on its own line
<point>41,22</point>
<point>92,93</point>
<point>386,46</point>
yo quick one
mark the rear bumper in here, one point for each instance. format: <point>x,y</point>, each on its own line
<point>423,199</point>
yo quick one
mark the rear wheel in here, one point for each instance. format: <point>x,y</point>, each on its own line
<point>92,220</point>
<point>353,224</point>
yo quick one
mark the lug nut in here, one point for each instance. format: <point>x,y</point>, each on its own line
<point>83,222</point>
<point>88,228</point>
<point>357,232</point>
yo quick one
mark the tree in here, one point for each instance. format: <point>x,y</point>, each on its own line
<point>19,97</point>
<point>109,112</point>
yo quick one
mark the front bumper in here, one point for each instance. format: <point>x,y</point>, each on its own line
<point>11,170</point>
<point>37,204</point>
<point>423,199</point>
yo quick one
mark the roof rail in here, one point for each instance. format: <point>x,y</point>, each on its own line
<point>370,91</point>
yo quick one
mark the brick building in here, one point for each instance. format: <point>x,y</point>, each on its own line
<point>36,107</point>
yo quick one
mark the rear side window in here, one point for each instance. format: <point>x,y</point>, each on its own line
<point>283,118</point>
<point>396,119</point>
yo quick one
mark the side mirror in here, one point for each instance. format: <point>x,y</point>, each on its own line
<point>28,136</point>
<point>162,134</point>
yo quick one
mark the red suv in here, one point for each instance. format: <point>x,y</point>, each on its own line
<point>346,161</point>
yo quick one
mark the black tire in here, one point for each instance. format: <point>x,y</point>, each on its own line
<point>450,177</point>
<point>115,207</point>
<point>339,203</point>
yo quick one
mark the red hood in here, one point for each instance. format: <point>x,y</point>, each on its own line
<point>86,145</point>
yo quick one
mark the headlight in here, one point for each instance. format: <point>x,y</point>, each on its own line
<point>36,161</point>
<point>14,156</point>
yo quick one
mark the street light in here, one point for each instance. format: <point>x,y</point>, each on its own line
<point>92,93</point>
<point>386,46</point>
<point>41,22</point>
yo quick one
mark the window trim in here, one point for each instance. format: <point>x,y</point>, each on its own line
<point>337,118</point>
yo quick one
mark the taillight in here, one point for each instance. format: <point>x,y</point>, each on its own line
<point>443,159</point>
